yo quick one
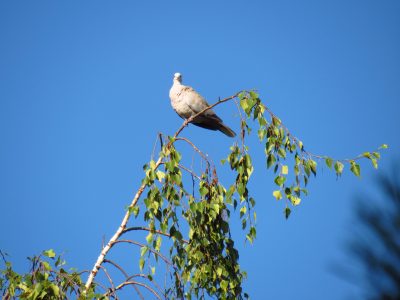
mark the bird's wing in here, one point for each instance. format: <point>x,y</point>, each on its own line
<point>193,99</point>
<point>197,103</point>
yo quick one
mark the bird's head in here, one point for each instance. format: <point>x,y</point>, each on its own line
<point>178,77</point>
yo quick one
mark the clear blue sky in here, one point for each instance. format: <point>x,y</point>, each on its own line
<point>84,91</point>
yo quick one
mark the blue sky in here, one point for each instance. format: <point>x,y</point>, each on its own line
<point>84,91</point>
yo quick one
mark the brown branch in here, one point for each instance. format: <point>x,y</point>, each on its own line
<point>135,283</point>
<point>110,280</point>
<point>146,277</point>
<point>135,199</point>
<point>125,274</point>
<point>150,230</point>
<point>167,262</point>
<point>195,148</point>
<point>151,250</point>
<point>189,171</point>
<point>117,266</point>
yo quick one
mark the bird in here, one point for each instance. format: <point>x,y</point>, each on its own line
<point>187,102</point>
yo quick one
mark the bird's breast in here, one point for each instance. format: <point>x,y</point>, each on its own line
<point>178,103</point>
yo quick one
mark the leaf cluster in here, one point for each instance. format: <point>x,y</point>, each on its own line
<point>47,279</point>
<point>286,156</point>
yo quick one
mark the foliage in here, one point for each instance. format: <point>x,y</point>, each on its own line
<point>47,279</point>
<point>194,223</point>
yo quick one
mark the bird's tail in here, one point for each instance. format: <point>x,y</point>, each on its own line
<point>226,130</point>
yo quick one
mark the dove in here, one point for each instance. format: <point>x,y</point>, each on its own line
<point>187,102</point>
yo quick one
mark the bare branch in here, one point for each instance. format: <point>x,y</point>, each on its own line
<point>189,171</point>
<point>204,156</point>
<point>125,274</point>
<point>111,282</point>
<point>150,230</point>
<point>135,283</point>
<point>151,250</point>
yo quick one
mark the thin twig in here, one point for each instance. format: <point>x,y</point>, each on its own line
<point>151,250</point>
<point>136,283</point>
<point>150,230</point>
<point>146,277</point>
<point>167,262</point>
<point>125,274</point>
<point>195,148</point>
<point>189,171</point>
<point>110,280</point>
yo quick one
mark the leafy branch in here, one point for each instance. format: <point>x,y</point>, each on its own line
<point>194,222</point>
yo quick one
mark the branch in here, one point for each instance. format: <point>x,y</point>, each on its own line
<point>151,230</point>
<point>125,274</point>
<point>189,171</point>
<point>151,250</point>
<point>195,148</point>
<point>110,280</point>
<point>134,283</point>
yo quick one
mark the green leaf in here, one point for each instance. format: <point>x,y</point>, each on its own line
<point>252,202</point>
<point>261,134</point>
<point>376,154</point>
<point>224,285</point>
<point>55,289</point>
<point>160,175</point>
<point>141,263</point>
<point>374,162</point>
<point>253,94</point>
<point>295,200</point>
<point>355,168</point>
<point>287,212</point>
<point>384,146</point>
<point>46,265</point>
<point>244,104</point>
<point>149,237</point>
<point>339,167</point>
<point>306,167</point>
<point>285,170</point>
<point>49,253</point>
<point>241,189</point>
<point>328,162</point>
<point>134,210</point>
<point>143,250</point>
<point>243,211</point>
<point>276,121</point>
<point>203,191</point>
<point>280,180</point>
<point>313,166</point>
<point>271,160</point>
<point>300,143</point>
<point>282,152</point>
<point>157,245</point>
<point>277,194</point>
<point>366,154</point>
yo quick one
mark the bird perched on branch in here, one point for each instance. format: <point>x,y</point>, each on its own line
<point>187,102</point>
